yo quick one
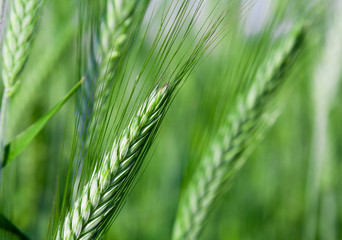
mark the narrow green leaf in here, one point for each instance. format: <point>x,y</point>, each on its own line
<point>6,225</point>
<point>21,141</point>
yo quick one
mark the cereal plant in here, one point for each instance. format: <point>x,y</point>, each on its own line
<point>162,119</point>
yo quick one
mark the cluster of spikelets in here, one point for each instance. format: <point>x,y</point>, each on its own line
<point>112,36</point>
<point>227,152</point>
<point>114,31</point>
<point>100,195</point>
<point>17,41</point>
<point>23,17</point>
<point>111,177</point>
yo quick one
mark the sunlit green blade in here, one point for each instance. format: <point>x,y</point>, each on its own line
<point>6,225</point>
<point>21,141</point>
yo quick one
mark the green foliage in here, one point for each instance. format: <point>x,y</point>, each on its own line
<point>6,225</point>
<point>133,156</point>
<point>20,142</point>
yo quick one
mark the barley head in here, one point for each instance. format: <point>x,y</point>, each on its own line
<point>233,140</point>
<point>22,21</point>
<point>102,194</point>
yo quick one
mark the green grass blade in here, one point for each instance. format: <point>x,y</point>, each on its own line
<point>20,142</point>
<point>7,225</point>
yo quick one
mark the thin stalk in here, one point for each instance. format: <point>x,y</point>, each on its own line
<point>320,170</point>
<point>119,17</point>
<point>3,127</point>
<point>5,99</point>
<point>23,17</point>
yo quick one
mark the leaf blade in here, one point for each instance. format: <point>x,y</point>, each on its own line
<point>23,139</point>
<point>7,225</point>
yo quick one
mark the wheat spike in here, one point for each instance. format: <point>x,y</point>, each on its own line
<point>18,39</point>
<point>224,156</point>
<point>102,193</point>
<point>113,34</point>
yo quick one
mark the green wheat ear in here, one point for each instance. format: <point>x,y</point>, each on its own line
<point>102,193</point>
<point>233,141</point>
<point>23,16</point>
<point>99,201</point>
<point>114,30</point>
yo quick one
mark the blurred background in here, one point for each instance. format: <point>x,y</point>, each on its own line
<point>290,186</point>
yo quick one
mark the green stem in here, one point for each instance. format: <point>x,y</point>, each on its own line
<point>3,126</point>
<point>5,100</point>
<point>3,4</point>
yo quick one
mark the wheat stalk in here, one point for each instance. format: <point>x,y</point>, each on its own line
<point>325,85</point>
<point>102,193</point>
<point>116,170</point>
<point>18,39</point>
<point>224,156</point>
<point>22,21</point>
<point>106,50</point>
<point>113,34</point>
